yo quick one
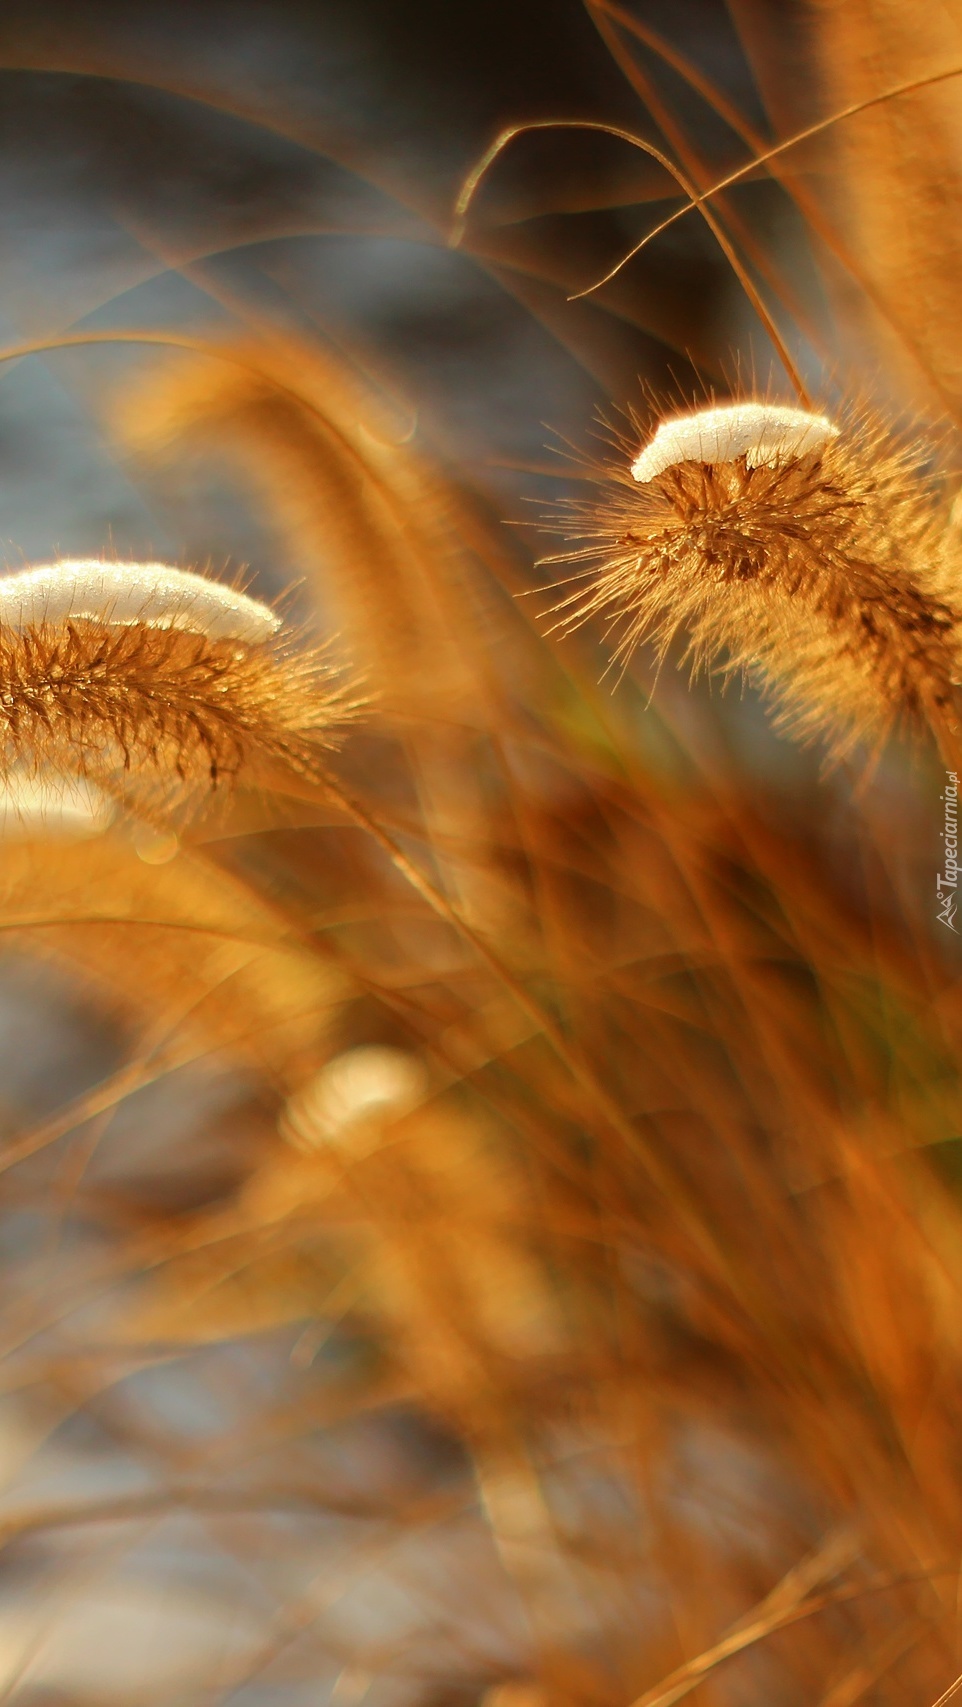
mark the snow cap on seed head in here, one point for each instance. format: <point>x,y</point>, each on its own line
<point>763,433</point>
<point>151,595</point>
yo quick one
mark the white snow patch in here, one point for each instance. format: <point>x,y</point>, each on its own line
<point>763,433</point>
<point>128,594</point>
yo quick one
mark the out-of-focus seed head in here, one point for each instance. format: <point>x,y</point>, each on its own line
<point>353,1097</point>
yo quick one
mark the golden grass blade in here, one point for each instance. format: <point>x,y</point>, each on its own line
<point>697,201</point>
<point>787,1602</point>
<point>902,321</point>
<point>479,172</point>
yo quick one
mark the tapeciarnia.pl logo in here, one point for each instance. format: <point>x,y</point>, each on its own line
<point>947,882</point>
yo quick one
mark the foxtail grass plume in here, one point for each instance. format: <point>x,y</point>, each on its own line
<point>154,683</point>
<point>380,531</point>
<point>805,554</point>
<point>352,1097</point>
<point>416,1164</point>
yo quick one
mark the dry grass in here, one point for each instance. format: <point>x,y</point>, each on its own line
<point>621,1338</point>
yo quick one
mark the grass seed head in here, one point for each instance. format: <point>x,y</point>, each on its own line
<point>805,555</point>
<point>353,1097</point>
<point>155,684</point>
